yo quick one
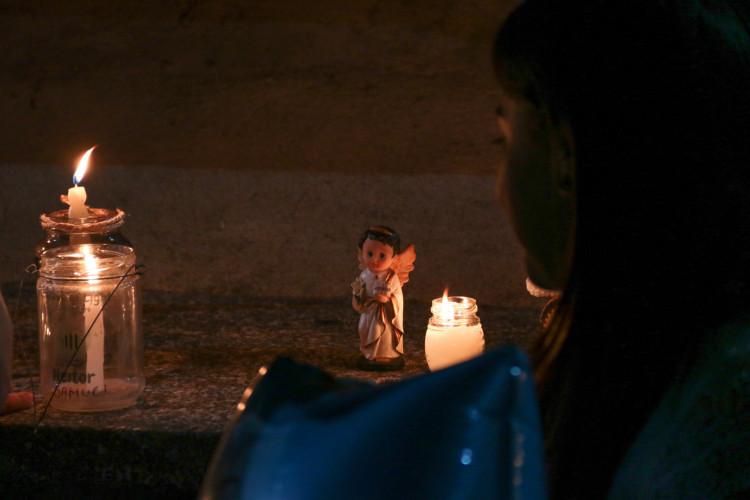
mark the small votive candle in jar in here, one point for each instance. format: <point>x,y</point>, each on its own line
<point>454,333</point>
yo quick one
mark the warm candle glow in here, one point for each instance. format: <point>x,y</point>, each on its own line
<point>89,261</point>
<point>82,166</point>
<point>447,315</point>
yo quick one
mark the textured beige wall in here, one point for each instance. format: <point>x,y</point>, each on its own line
<point>251,142</point>
<point>345,86</point>
<point>283,234</point>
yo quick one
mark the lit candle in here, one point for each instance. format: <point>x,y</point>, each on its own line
<point>454,332</point>
<point>77,194</point>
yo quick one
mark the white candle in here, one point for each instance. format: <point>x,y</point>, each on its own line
<point>77,194</point>
<point>77,201</point>
<point>454,333</point>
<point>95,326</point>
<point>446,346</point>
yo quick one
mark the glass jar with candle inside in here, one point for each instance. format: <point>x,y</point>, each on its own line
<point>454,332</point>
<point>91,345</point>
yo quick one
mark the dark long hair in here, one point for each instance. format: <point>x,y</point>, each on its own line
<point>656,95</point>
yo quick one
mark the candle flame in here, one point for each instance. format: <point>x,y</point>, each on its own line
<point>82,165</point>
<point>446,309</point>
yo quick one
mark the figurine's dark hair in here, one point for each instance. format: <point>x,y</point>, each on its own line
<point>382,234</point>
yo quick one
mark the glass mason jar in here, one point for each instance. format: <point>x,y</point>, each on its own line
<point>90,288</point>
<point>101,226</point>
<point>454,332</point>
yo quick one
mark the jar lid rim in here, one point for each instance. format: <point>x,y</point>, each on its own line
<point>99,219</point>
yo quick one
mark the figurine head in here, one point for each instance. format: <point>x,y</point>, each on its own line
<point>378,246</point>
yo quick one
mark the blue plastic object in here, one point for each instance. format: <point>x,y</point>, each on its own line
<point>471,431</point>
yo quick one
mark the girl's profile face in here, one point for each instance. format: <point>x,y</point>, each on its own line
<point>376,255</point>
<point>529,189</point>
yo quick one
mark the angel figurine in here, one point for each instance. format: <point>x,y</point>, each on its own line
<point>378,298</point>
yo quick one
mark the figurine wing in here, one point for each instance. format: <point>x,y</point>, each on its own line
<point>403,264</point>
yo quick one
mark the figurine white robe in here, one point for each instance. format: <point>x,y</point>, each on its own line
<point>381,325</point>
